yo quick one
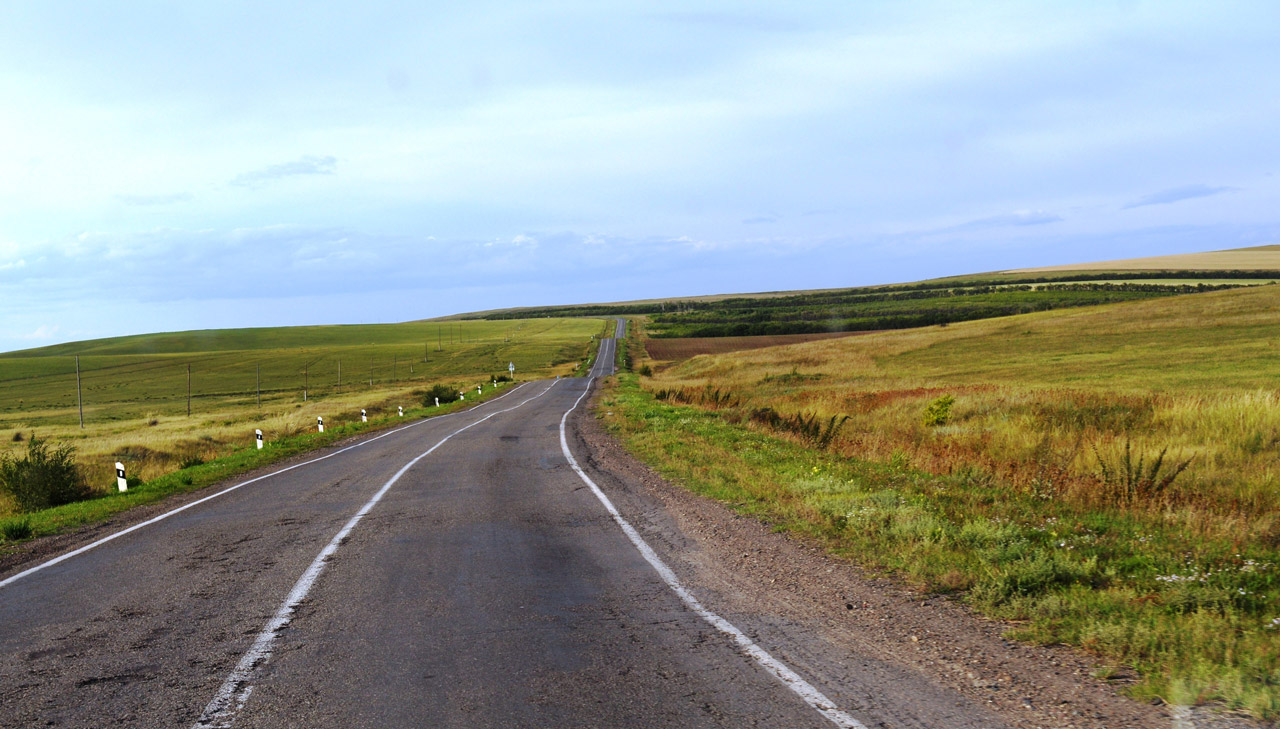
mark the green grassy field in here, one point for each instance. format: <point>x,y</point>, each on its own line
<point>135,388</point>
<point>988,459</point>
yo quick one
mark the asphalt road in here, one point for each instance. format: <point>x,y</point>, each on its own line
<point>483,584</point>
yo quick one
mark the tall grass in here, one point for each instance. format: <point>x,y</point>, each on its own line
<point>1105,476</point>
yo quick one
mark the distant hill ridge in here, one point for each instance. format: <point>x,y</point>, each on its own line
<point>1257,258</point>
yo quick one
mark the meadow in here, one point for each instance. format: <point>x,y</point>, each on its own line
<point>1103,476</point>
<point>134,389</point>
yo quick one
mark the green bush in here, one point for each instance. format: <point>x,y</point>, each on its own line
<point>443,392</point>
<point>1031,576</point>
<point>44,477</point>
<point>939,411</point>
<point>16,529</point>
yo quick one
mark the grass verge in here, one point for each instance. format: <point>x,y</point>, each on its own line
<point>1198,617</point>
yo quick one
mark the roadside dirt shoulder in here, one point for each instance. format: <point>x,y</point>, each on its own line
<point>823,605</point>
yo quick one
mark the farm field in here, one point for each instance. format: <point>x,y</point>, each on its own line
<point>685,347</point>
<point>936,301</point>
<point>1102,476</point>
<point>134,389</point>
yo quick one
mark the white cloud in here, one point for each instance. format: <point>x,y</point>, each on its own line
<point>306,165</point>
<point>147,200</point>
<point>1178,194</point>
<point>42,333</point>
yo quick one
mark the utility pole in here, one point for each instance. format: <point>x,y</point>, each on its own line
<point>339,373</point>
<point>257,378</point>
<point>79,402</point>
<point>371,372</point>
<point>395,360</point>
<point>439,327</point>
<point>306,379</point>
<point>188,390</point>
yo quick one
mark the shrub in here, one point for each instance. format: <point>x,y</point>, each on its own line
<point>15,529</point>
<point>939,411</point>
<point>1137,480</point>
<point>1032,576</point>
<point>646,370</point>
<point>44,477</point>
<point>712,397</point>
<point>499,378</point>
<point>443,392</point>
<point>811,427</point>
<point>17,436</point>
<point>191,460</point>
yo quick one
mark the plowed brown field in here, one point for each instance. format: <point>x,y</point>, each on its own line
<point>686,347</point>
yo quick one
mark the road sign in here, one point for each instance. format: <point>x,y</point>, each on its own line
<point>511,367</point>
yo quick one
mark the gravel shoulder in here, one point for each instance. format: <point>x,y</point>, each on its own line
<point>828,616</point>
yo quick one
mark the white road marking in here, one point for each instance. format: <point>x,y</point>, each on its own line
<point>167,514</point>
<point>235,691</point>
<point>792,680</point>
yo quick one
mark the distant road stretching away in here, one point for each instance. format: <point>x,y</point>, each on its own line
<point>461,571</point>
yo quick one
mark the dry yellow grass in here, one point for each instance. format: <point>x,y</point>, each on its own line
<point>1260,258</point>
<point>1042,400</point>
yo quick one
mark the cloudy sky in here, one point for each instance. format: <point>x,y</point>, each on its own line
<point>171,166</point>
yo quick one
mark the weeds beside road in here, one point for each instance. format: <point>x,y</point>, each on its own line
<point>1101,477</point>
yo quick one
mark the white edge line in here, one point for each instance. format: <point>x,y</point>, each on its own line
<point>792,680</point>
<point>75,552</point>
<point>235,690</point>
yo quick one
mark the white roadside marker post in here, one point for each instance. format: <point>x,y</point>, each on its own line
<point>401,409</point>
<point>258,434</point>
<point>320,423</point>
<point>364,417</point>
<point>121,482</point>
<point>437,402</point>
<point>478,390</point>
<point>462,395</point>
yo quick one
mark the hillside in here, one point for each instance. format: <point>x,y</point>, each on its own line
<point>938,301</point>
<point>1257,258</point>
<point>136,390</point>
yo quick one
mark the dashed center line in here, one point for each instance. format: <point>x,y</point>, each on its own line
<point>236,689</point>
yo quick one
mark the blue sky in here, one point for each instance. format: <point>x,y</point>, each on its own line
<point>165,167</point>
